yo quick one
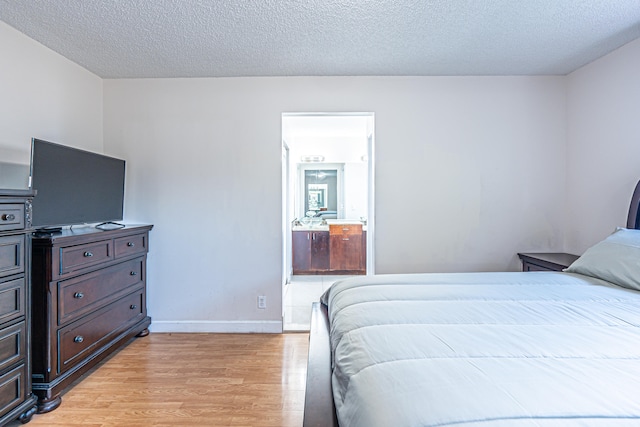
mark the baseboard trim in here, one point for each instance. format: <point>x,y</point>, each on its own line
<point>208,326</point>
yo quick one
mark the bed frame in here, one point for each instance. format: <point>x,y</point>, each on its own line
<point>319,408</point>
<point>633,220</point>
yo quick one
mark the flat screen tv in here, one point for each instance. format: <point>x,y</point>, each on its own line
<point>74,186</point>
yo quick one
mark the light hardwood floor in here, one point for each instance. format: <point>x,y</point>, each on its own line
<point>192,380</point>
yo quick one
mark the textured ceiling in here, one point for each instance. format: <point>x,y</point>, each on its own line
<point>216,38</point>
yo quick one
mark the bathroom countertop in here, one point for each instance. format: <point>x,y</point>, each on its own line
<point>320,227</point>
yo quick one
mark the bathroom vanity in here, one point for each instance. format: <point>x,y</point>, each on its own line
<point>338,247</point>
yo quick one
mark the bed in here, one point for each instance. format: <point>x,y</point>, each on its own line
<point>484,349</point>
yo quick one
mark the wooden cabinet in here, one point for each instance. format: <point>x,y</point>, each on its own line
<point>347,249</point>
<point>546,261</point>
<point>16,398</point>
<point>301,241</point>
<point>310,252</point>
<point>89,299</point>
<point>320,251</point>
<point>341,250</point>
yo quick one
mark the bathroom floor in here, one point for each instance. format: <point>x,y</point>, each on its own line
<point>300,293</point>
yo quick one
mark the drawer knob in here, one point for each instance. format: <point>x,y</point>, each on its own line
<point>133,273</point>
<point>131,244</point>
<point>78,295</point>
<point>88,254</point>
<point>133,306</point>
<point>78,338</point>
<point>8,217</point>
<point>346,238</point>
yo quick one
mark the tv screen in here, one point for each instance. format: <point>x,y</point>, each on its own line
<point>74,186</point>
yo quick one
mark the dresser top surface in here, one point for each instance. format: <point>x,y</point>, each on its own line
<point>4,192</point>
<point>559,258</point>
<point>89,232</point>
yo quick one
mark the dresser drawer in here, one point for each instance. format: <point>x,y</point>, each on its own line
<point>12,344</point>
<point>11,216</point>
<point>85,336</point>
<point>12,255</point>
<point>12,388</point>
<point>82,294</point>
<point>533,267</point>
<point>130,245</point>
<point>74,258</point>
<point>12,295</point>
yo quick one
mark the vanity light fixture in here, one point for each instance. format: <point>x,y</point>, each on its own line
<point>312,159</point>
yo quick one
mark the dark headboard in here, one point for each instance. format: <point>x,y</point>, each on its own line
<point>633,221</point>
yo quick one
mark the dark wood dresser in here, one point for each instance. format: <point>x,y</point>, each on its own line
<point>16,398</point>
<point>89,299</point>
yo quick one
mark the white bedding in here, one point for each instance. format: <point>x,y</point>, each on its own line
<point>485,350</point>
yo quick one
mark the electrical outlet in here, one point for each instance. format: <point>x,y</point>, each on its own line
<point>262,301</point>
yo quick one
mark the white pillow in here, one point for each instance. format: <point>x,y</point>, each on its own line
<point>616,259</point>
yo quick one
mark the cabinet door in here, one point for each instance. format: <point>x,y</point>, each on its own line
<point>346,252</point>
<point>301,251</point>
<point>363,253</point>
<point>320,251</point>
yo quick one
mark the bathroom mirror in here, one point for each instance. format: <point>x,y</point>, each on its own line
<point>317,197</point>
<point>321,192</point>
<point>331,191</point>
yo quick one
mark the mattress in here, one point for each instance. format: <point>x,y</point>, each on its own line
<point>484,350</point>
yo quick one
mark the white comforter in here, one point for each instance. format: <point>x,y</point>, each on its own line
<point>488,349</point>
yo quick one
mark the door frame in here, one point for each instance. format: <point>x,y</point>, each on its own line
<point>288,207</point>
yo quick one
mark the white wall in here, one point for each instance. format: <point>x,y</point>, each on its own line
<point>467,174</point>
<point>44,95</point>
<point>341,149</point>
<point>603,145</point>
<point>469,170</point>
<point>355,190</point>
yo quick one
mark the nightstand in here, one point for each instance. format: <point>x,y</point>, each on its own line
<point>546,261</point>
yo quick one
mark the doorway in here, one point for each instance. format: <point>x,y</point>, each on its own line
<point>327,175</point>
